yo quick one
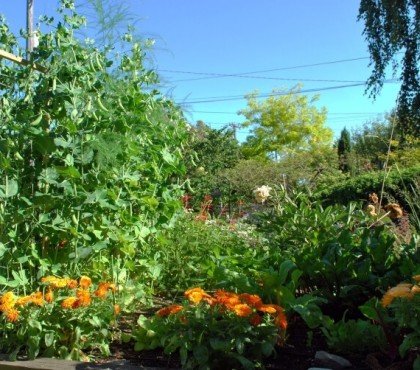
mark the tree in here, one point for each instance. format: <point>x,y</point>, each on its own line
<point>392,27</point>
<point>343,150</point>
<point>283,123</point>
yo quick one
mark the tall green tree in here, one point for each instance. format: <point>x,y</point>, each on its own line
<point>343,150</point>
<point>283,123</point>
<point>391,28</point>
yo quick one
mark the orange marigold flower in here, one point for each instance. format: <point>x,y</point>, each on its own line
<point>269,308</point>
<point>251,299</point>
<point>69,302</point>
<point>12,314</point>
<point>23,301</point>
<point>416,278</point>
<point>85,282</point>
<point>169,310</point>
<point>415,289</point>
<point>242,310</point>
<point>281,320</point>
<point>196,295</point>
<point>71,283</point>
<point>49,296</point>
<point>402,290</point>
<point>83,297</point>
<point>117,309</point>
<point>255,320</point>
<point>7,301</point>
<point>37,298</point>
<point>54,282</point>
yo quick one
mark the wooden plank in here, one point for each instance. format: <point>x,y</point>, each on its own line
<point>9,56</point>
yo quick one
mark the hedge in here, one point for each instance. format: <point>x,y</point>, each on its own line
<point>359,187</point>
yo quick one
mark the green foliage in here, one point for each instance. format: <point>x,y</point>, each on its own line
<point>283,123</point>
<point>209,337</point>
<point>391,27</point>
<point>359,187</point>
<point>206,254</point>
<point>354,336</point>
<point>211,151</point>
<point>342,258</point>
<point>89,156</point>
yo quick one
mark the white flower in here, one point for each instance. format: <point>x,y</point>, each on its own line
<point>262,193</point>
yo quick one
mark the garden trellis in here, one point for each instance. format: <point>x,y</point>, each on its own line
<point>9,56</point>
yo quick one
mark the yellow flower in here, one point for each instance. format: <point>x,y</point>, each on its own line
<point>49,296</point>
<point>37,298</point>
<point>402,290</point>
<point>196,295</point>
<point>242,310</point>
<point>54,282</point>
<point>371,210</point>
<point>69,302</point>
<point>85,282</point>
<point>12,314</point>
<point>83,297</point>
<point>23,301</point>
<point>416,278</point>
<point>7,301</point>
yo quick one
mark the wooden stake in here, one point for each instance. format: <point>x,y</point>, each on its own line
<point>9,56</point>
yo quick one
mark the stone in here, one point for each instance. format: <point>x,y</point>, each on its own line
<point>334,362</point>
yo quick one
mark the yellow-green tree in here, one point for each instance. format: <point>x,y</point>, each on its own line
<point>284,123</point>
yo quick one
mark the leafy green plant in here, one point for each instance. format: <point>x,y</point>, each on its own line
<point>344,256</point>
<point>89,155</point>
<point>64,319</point>
<point>220,331</point>
<point>354,336</point>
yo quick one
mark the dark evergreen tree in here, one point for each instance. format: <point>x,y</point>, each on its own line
<point>343,150</point>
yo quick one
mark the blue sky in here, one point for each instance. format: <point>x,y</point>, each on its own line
<point>243,36</point>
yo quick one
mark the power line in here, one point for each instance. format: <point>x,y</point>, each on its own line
<point>332,113</point>
<point>210,75</point>
<point>214,99</point>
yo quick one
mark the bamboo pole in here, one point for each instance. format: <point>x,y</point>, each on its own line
<point>9,56</point>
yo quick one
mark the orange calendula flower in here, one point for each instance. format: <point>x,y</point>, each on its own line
<point>255,320</point>
<point>7,301</point>
<point>169,310</point>
<point>196,295</point>
<point>69,302</point>
<point>85,282</point>
<point>251,299</point>
<point>83,297</point>
<point>281,320</point>
<point>269,308</point>
<point>402,290</point>
<point>242,310</point>
<point>71,283</point>
<point>103,289</point>
<point>23,301</point>
<point>117,309</point>
<point>49,296</point>
<point>12,314</point>
<point>37,298</point>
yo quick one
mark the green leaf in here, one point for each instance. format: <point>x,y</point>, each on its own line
<point>201,354</point>
<point>49,339</point>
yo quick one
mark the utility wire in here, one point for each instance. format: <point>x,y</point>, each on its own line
<point>214,99</point>
<point>221,75</point>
